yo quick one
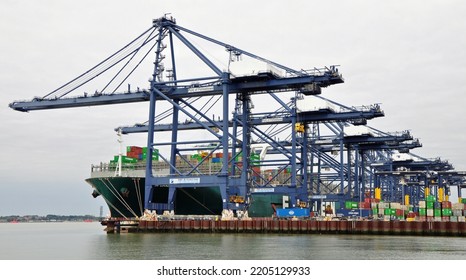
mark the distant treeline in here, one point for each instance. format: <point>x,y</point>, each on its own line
<point>48,218</point>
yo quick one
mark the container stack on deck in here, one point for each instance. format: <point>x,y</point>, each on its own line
<point>134,154</point>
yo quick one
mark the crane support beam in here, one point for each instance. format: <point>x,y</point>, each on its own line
<point>255,84</point>
<point>304,117</point>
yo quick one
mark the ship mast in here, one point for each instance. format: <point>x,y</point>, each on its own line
<point>120,154</point>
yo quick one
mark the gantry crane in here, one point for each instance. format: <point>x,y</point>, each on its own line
<point>234,176</point>
<point>182,103</point>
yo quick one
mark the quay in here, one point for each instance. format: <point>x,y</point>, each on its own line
<point>304,226</point>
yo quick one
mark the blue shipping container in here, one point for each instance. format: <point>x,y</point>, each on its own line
<point>293,212</point>
<point>353,213</point>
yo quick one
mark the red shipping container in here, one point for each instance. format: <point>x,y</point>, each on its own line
<point>135,149</point>
<point>446,205</point>
<point>367,200</point>
<point>365,205</point>
<point>132,155</point>
<point>399,212</point>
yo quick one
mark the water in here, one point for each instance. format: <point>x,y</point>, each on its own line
<point>88,241</point>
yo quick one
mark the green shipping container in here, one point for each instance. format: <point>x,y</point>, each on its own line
<point>351,205</point>
<point>430,198</point>
<point>430,204</point>
<point>437,213</point>
<point>375,211</point>
<point>154,156</point>
<point>463,200</point>
<point>389,211</point>
<point>447,212</point>
<point>255,159</point>
<point>125,159</point>
<point>422,212</point>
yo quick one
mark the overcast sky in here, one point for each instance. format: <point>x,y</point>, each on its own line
<point>409,56</point>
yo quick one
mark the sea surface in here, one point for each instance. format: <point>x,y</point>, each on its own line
<point>88,241</point>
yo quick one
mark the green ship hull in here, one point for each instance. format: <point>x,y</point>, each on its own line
<point>125,197</point>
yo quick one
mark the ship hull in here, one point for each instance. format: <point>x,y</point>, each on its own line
<point>125,197</point>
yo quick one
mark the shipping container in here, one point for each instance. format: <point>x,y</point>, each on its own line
<point>446,205</point>
<point>457,206</point>
<point>430,205</point>
<point>395,205</point>
<point>134,149</point>
<point>437,213</point>
<point>430,212</point>
<point>422,204</point>
<point>422,212</point>
<point>390,212</point>
<point>364,205</point>
<point>351,205</point>
<point>447,212</point>
<point>293,212</point>
<point>384,205</point>
<point>457,212</point>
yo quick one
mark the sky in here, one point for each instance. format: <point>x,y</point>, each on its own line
<point>407,56</point>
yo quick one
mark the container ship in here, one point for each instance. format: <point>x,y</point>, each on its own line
<point>123,188</point>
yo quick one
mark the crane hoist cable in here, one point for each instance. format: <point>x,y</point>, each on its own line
<point>96,68</point>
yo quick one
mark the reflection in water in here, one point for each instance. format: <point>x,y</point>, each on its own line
<point>88,241</point>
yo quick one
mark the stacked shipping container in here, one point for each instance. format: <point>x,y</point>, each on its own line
<point>428,210</point>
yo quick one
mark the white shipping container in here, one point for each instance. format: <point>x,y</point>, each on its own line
<point>374,205</point>
<point>422,204</point>
<point>384,205</point>
<point>395,205</point>
<point>437,219</point>
<point>453,219</point>
<point>457,206</point>
<point>461,219</point>
<point>430,212</point>
<point>457,212</point>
